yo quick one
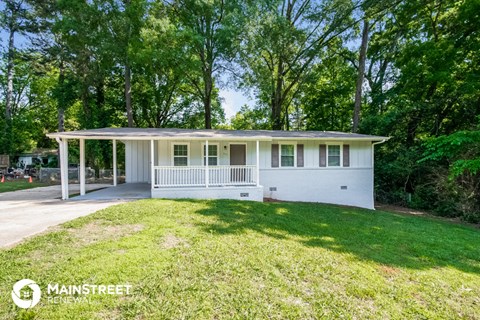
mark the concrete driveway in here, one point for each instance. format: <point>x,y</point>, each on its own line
<point>27,212</point>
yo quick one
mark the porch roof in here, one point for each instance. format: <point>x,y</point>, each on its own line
<point>204,134</point>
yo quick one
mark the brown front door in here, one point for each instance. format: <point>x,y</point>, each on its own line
<point>238,157</point>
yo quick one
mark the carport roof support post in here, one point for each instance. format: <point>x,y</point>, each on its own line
<point>152,165</point>
<point>114,152</point>
<point>63,145</point>
<point>82,167</point>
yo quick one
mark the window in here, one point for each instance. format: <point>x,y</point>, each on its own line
<point>287,155</point>
<point>334,155</point>
<point>212,154</point>
<point>180,155</point>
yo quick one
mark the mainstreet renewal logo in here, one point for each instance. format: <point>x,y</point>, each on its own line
<point>26,293</point>
<point>26,298</point>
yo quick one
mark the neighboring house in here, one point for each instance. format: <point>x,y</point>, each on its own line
<point>39,156</point>
<point>314,166</point>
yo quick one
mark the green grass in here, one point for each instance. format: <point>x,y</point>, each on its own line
<point>244,260</point>
<point>19,184</point>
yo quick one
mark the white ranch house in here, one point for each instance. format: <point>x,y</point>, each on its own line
<point>313,166</point>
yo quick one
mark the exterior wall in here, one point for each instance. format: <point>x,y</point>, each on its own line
<point>360,153</point>
<point>137,161</point>
<point>313,183</point>
<point>320,185</point>
<point>26,160</point>
<point>235,193</point>
<point>165,158</point>
<point>310,183</point>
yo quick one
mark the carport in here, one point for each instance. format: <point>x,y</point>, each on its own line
<point>116,191</point>
<point>63,151</point>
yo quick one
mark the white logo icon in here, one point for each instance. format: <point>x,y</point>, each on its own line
<point>26,299</point>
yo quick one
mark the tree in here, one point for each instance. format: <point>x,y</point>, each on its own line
<point>15,20</point>
<point>460,152</point>
<point>427,90</point>
<point>283,40</point>
<point>373,13</point>
<point>49,42</point>
<point>160,88</point>
<point>209,33</point>
<point>250,119</point>
<point>125,21</point>
<point>360,75</point>
<point>327,99</point>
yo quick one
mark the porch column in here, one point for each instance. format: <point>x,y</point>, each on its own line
<point>114,152</point>
<point>258,164</point>
<point>152,164</point>
<point>207,177</point>
<point>82,167</point>
<point>63,145</point>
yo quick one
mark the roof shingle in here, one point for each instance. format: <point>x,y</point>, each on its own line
<point>202,134</point>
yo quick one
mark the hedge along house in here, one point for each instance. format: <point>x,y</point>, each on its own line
<point>313,166</point>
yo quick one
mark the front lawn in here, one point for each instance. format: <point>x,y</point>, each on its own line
<point>19,184</point>
<point>244,260</point>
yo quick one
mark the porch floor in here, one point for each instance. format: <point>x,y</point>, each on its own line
<point>121,191</point>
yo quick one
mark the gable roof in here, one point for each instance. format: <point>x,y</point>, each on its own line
<point>203,134</point>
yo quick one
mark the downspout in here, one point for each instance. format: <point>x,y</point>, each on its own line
<point>373,170</point>
<point>373,147</point>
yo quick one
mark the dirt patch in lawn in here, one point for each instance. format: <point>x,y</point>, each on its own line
<point>100,231</point>
<point>388,271</point>
<point>414,212</point>
<point>171,241</point>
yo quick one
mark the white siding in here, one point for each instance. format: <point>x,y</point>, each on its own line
<point>320,185</point>
<point>360,154</point>
<point>224,153</point>
<point>310,183</point>
<point>315,184</point>
<point>265,155</point>
<point>164,152</point>
<point>137,160</point>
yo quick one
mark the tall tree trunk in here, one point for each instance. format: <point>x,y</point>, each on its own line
<point>61,98</point>
<point>128,75</point>
<point>361,72</point>
<point>207,102</point>
<point>85,97</point>
<point>277,121</point>
<point>100,102</point>
<point>128,94</point>
<point>207,93</point>
<point>10,71</point>
<point>9,98</point>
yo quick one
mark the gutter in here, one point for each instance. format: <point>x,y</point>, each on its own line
<point>379,142</point>
<point>179,138</point>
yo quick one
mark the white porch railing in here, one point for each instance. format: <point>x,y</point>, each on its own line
<point>195,176</point>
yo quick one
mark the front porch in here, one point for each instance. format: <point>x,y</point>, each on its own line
<point>225,174</point>
<point>178,168</point>
<point>205,176</point>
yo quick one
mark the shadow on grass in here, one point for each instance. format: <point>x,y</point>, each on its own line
<point>382,237</point>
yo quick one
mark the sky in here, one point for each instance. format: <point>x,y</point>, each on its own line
<point>232,101</point>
